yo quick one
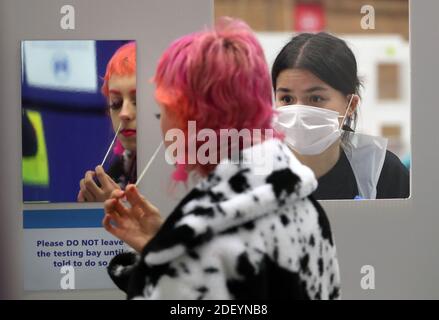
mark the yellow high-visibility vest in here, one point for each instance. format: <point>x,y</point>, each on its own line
<point>35,169</point>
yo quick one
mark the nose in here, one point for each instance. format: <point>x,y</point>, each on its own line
<point>128,111</point>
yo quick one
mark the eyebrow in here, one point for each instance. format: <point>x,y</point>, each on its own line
<point>283,90</point>
<point>313,89</point>
<point>118,92</point>
<point>316,88</point>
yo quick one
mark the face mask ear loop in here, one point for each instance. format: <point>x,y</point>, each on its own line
<point>346,113</point>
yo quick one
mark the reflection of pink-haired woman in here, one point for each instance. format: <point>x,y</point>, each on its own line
<point>241,233</point>
<point>119,88</point>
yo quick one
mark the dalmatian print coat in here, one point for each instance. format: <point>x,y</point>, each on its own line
<point>239,234</point>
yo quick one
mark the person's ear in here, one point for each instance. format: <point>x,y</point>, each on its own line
<point>354,103</point>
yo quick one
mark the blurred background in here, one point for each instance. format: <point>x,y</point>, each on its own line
<point>382,53</point>
<point>65,122</point>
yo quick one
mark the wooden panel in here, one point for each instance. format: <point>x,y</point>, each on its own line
<point>388,82</point>
<point>261,15</point>
<point>342,16</point>
<point>391,131</point>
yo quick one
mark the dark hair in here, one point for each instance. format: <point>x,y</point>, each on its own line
<point>326,56</point>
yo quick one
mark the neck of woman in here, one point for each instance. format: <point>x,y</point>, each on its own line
<point>322,163</point>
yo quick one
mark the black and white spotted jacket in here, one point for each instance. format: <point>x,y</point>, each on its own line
<point>239,234</point>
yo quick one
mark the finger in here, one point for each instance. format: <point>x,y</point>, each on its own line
<point>136,199</point>
<point>106,223</point>
<point>116,208</point>
<point>114,217</point>
<point>87,195</point>
<point>110,206</point>
<point>80,197</point>
<point>117,194</point>
<point>103,178</point>
<point>121,209</point>
<point>114,229</point>
<point>91,185</point>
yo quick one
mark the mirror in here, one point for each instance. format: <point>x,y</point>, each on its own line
<point>75,97</point>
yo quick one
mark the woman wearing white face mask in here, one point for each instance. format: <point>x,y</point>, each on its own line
<point>316,88</point>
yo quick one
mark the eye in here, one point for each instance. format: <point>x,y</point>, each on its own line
<point>157,115</point>
<point>115,104</point>
<point>287,99</point>
<point>316,99</point>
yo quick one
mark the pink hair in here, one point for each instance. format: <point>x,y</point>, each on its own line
<point>218,78</point>
<point>118,148</point>
<point>122,63</point>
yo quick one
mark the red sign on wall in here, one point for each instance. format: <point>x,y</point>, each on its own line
<point>309,17</point>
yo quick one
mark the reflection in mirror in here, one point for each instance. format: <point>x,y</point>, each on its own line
<point>341,88</point>
<point>78,119</point>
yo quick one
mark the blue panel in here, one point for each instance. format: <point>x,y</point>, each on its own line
<point>64,218</point>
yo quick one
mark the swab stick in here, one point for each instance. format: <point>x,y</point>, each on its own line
<point>149,163</point>
<point>111,145</point>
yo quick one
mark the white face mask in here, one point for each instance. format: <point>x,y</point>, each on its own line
<point>309,130</point>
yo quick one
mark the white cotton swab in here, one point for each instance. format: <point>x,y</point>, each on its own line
<point>111,145</point>
<point>149,163</point>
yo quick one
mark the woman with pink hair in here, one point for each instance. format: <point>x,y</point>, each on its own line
<point>119,88</point>
<point>250,229</point>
